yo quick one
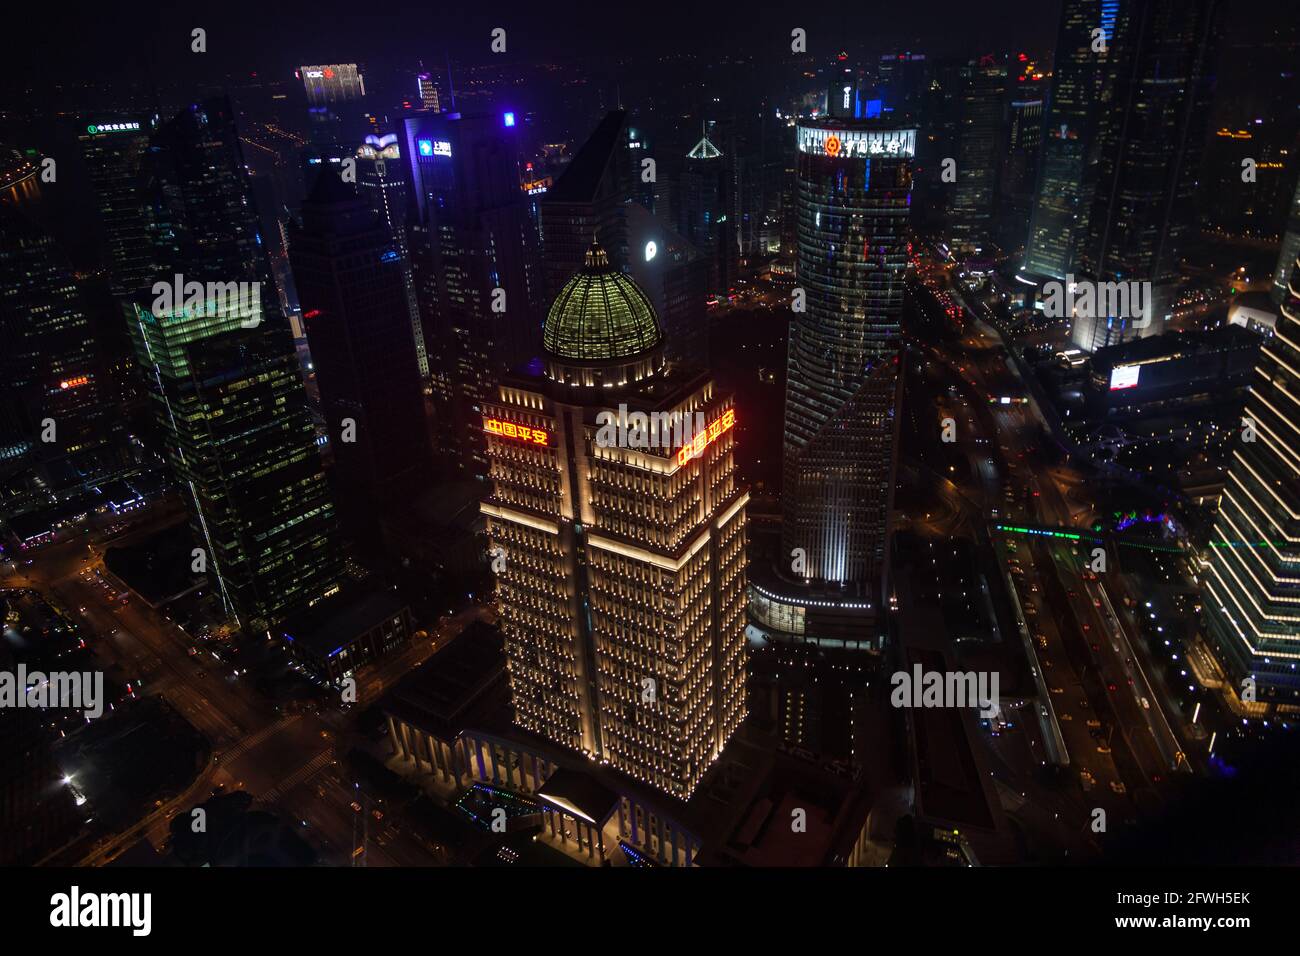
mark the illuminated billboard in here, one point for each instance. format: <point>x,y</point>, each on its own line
<point>857,143</point>
<point>327,83</point>
<point>536,436</point>
<point>1124,376</point>
<point>706,437</point>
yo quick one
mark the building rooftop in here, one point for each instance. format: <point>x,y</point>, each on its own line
<point>455,688</point>
<point>336,621</point>
<point>580,793</point>
<point>581,180</point>
<point>600,314</point>
<point>1174,344</point>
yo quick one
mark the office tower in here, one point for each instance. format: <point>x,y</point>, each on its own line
<point>1150,140</point>
<point>597,197</point>
<point>1253,117</point>
<point>428,91</point>
<point>330,83</point>
<point>225,385</point>
<point>1250,586</point>
<point>337,118</point>
<point>675,277</point>
<point>1021,150</point>
<point>587,202</point>
<point>978,154</point>
<point>1289,252</point>
<point>705,207</point>
<point>1080,74</point>
<point>621,585</point>
<point>381,181</point>
<point>643,191</point>
<point>901,80</point>
<point>113,148</point>
<point>60,431</point>
<point>474,261</point>
<point>352,284</point>
<point>854,179</point>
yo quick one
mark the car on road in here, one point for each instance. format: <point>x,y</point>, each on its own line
<point>1065,716</point>
<point>356,806</point>
<point>1103,749</point>
<point>1146,704</point>
<point>1086,778</point>
<point>1058,690</point>
<point>1118,787</point>
<point>1094,723</point>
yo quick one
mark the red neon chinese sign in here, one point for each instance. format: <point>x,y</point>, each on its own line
<point>832,145</point>
<point>706,437</point>
<point>494,426</point>
<point>77,382</point>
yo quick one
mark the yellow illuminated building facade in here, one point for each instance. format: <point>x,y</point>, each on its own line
<point>620,558</point>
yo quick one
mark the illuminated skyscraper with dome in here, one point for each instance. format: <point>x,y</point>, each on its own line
<point>620,563</point>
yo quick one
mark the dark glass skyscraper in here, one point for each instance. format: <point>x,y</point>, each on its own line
<point>1079,75</point>
<point>706,208</point>
<point>59,431</point>
<point>225,383</point>
<point>854,182</point>
<point>114,148</point>
<point>382,182</point>
<point>1150,141</point>
<point>474,259</point>
<point>979,155</point>
<point>351,281</point>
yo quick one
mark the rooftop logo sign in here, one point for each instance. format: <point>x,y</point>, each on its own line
<point>857,144</point>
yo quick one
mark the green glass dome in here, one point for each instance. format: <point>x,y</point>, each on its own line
<point>600,315</point>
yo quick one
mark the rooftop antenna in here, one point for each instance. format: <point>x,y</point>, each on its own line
<point>451,88</point>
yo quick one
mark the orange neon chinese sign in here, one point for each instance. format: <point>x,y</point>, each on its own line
<point>706,437</point>
<point>538,436</point>
<point>77,382</point>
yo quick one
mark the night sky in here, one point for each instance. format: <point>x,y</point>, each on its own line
<point>113,39</point>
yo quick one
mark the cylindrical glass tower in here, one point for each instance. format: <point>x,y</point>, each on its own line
<point>854,190</point>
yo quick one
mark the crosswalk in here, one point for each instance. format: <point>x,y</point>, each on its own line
<point>251,741</point>
<point>299,776</point>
